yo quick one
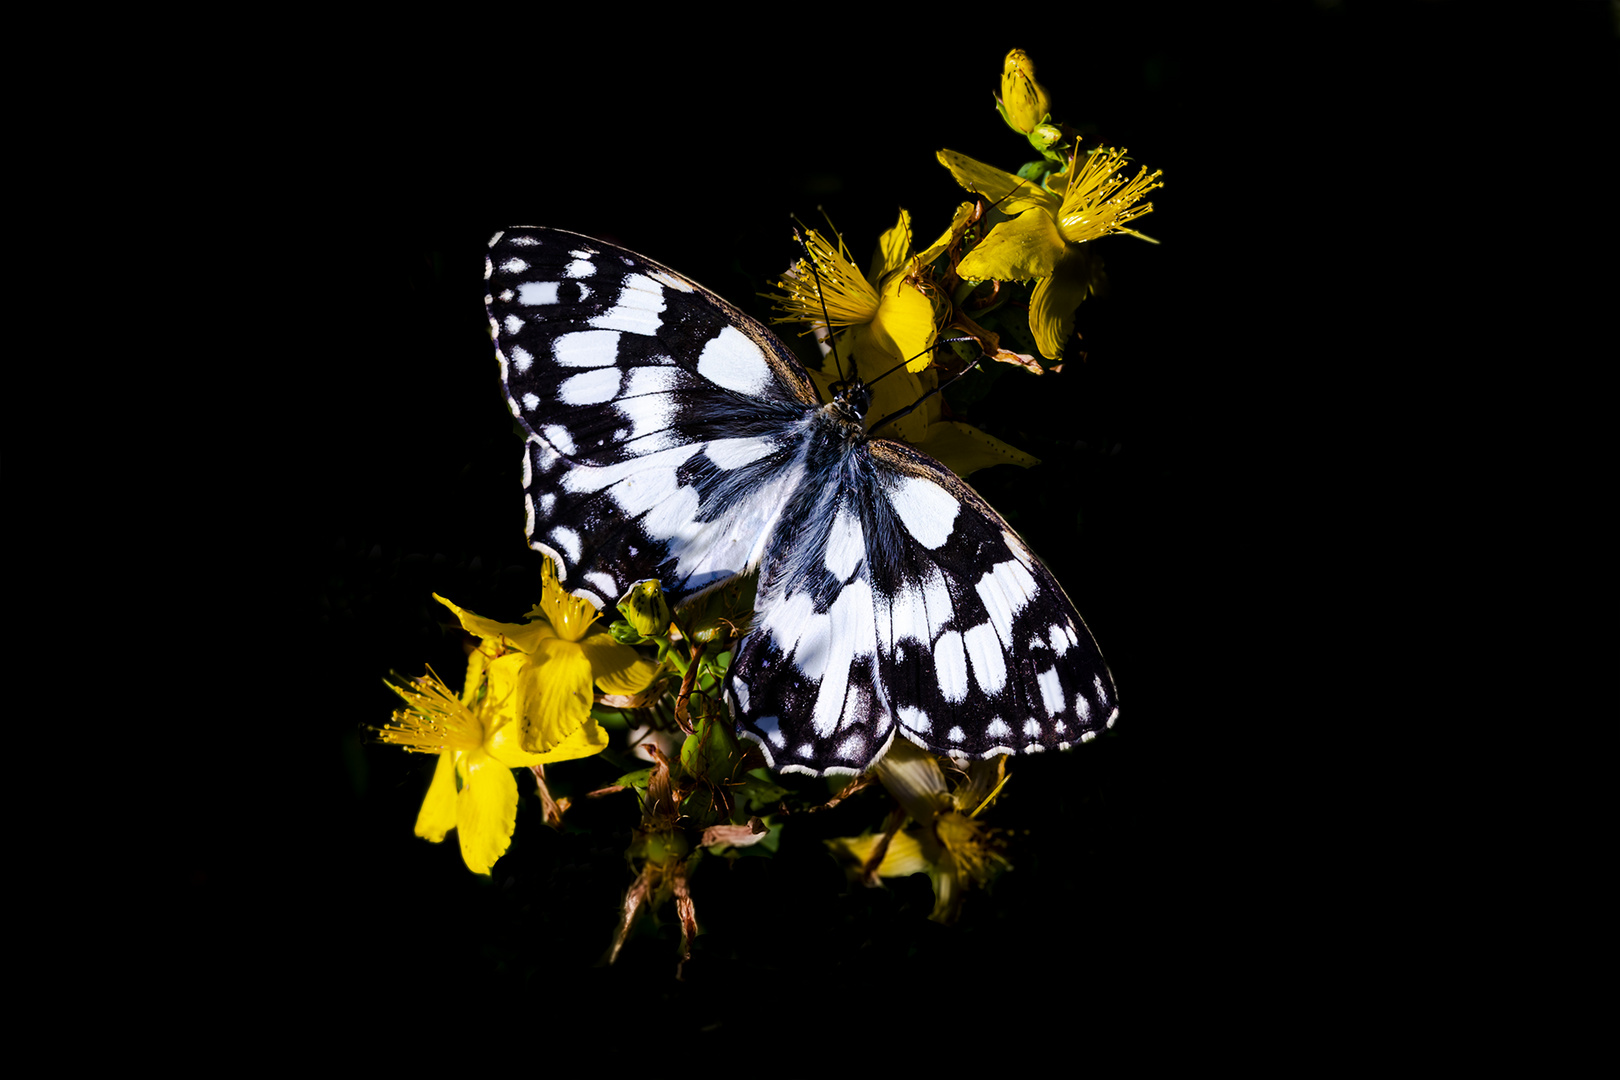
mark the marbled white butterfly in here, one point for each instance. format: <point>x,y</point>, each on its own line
<point>671,436</point>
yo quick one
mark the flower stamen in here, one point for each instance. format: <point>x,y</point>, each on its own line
<point>1100,201</point>
<point>851,299</point>
<point>434,719</point>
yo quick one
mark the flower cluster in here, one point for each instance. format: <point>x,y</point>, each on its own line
<point>525,702</point>
<point>1033,228</point>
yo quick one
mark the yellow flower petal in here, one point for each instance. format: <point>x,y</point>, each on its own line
<point>556,695</point>
<point>1052,303</point>
<point>1011,195</point>
<point>486,811</point>
<point>964,449</point>
<point>438,815</point>
<point>518,636</point>
<point>617,668</point>
<point>894,249</point>
<point>1029,246</point>
<point>904,326</point>
<point>959,223</point>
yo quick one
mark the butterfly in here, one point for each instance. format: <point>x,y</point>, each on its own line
<point>670,436</point>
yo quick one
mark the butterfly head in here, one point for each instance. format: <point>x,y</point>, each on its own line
<point>850,401</point>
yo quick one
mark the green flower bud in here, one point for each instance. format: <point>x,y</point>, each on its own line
<point>645,608</point>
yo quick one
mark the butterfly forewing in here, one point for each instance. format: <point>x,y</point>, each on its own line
<point>670,436</point>
<point>658,416</point>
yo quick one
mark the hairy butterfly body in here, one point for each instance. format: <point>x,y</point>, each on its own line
<point>672,437</point>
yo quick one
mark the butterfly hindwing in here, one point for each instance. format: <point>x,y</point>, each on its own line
<point>910,607</point>
<point>671,436</point>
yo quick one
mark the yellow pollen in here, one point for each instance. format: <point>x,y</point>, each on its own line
<point>434,719</point>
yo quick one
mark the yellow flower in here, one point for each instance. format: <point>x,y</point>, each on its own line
<point>473,790</point>
<point>521,705</point>
<point>562,657</point>
<point>878,327</point>
<point>949,844</point>
<point>1047,232</point>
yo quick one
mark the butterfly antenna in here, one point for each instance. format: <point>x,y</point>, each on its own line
<point>903,363</point>
<point>907,411</point>
<point>826,319</point>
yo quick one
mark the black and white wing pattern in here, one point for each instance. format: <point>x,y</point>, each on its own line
<point>671,436</point>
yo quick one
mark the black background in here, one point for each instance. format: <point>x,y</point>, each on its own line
<point>1249,489</point>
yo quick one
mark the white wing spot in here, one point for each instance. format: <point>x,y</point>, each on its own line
<point>590,387</point>
<point>846,546</point>
<point>850,749</point>
<point>1005,589</point>
<point>671,280</point>
<point>536,293</point>
<point>587,348</point>
<point>1051,691</point>
<point>580,267</point>
<point>1032,728</point>
<point>937,599</point>
<point>1060,640</point>
<point>548,502</point>
<point>927,510</point>
<point>1082,708</point>
<point>735,453</point>
<point>556,434</point>
<point>1016,546</point>
<point>604,582</point>
<point>771,726</point>
<point>1102,695</point>
<point>998,727</point>
<point>955,735</point>
<point>640,303</point>
<point>521,358</point>
<point>568,540</point>
<point>674,514</point>
<point>950,667</point>
<point>734,362</point>
<point>989,662</point>
<point>513,324</point>
<point>915,719</point>
<point>531,402</point>
<point>657,470</point>
<point>514,266</point>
